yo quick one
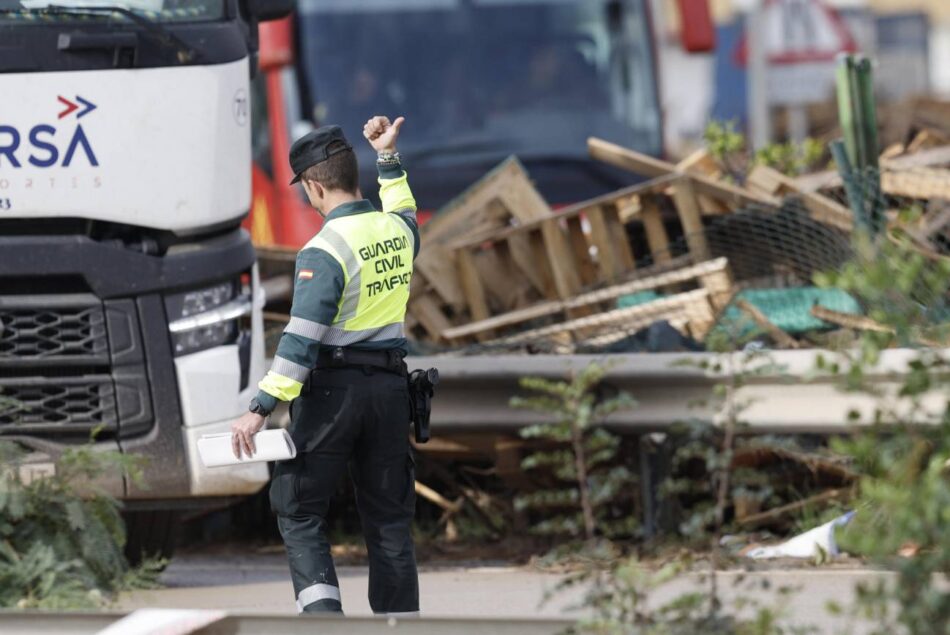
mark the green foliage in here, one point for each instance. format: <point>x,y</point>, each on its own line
<point>723,140</point>
<point>730,149</point>
<point>792,159</point>
<point>899,287</point>
<point>61,536</point>
<point>618,586</point>
<point>579,454</point>
<point>904,501</point>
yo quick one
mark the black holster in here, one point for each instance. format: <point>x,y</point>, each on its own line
<point>422,385</point>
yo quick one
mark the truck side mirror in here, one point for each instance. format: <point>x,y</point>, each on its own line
<point>265,10</point>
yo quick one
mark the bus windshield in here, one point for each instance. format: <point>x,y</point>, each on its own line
<point>485,78</point>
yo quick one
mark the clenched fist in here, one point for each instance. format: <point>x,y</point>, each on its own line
<point>382,134</point>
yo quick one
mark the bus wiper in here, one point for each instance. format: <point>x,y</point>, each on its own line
<point>186,54</point>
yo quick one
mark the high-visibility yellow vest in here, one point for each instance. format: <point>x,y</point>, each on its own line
<point>351,286</point>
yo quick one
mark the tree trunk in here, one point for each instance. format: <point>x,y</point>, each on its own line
<point>580,465</point>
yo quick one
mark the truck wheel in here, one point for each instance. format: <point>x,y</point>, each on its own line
<point>150,534</point>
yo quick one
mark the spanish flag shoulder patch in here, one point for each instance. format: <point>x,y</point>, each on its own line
<point>305,274</point>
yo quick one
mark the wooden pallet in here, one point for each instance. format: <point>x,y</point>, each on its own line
<point>712,276</point>
<point>503,196</point>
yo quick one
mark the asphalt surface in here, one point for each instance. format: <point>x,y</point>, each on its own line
<point>260,584</point>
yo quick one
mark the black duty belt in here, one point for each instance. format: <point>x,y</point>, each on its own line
<point>389,360</point>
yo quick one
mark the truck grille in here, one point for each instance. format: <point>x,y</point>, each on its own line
<point>70,364</point>
<point>37,333</point>
<point>61,405</point>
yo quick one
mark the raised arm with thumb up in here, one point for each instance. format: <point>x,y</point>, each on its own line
<point>382,133</point>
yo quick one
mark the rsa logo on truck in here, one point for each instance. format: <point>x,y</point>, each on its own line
<point>44,145</point>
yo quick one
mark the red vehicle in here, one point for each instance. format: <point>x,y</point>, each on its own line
<point>478,80</point>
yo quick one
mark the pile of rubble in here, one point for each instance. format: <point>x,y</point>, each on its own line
<point>502,270</point>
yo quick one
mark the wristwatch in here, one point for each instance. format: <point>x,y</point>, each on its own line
<point>387,158</point>
<point>258,408</point>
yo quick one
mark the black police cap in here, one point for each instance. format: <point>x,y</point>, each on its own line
<point>314,148</point>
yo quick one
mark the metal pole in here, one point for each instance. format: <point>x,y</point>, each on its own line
<point>758,68</point>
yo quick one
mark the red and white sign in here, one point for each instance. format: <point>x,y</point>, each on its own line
<point>801,32</point>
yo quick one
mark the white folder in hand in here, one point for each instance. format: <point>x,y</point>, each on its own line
<point>269,445</point>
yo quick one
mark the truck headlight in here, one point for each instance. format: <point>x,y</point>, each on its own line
<point>205,318</point>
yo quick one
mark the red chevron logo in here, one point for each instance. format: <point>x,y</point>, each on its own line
<point>70,106</point>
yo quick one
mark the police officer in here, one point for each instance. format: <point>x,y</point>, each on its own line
<point>340,364</point>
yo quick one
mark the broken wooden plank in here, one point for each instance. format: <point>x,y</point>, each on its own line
<point>795,508</point>
<point>622,251</point>
<point>682,305</point>
<point>710,206</point>
<point>731,195</point>
<point>503,194</point>
<point>472,285</point>
<point>918,183</point>
<point>925,159</point>
<point>438,267</point>
<point>700,317</point>
<point>566,280</point>
<point>925,140</point>
<point>539,261</point>
<point>504,285</point>
<point>628,159</point>
<point>862,323</point>
<point>657,239</point>
<point>718,281</point>
<point>629,208</point>
<point>586,268</point>
<point>471,209</point>
<point>607,263</point>
<point>645,165</point>
<point>437,499</point>
<point>649,187</point>
<point>831,179</point>
<point>426,310</point>
<point>700,162</point>
<point>522,254</point>
<point>778,336</point>
<point>820,207</point>
<point>687,208</point>
<point>850,320</point>
<point>767,180</point>
<point>656,281</point>
<point>891,152</point>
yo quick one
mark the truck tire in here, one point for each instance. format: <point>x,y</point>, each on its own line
<point>150,534</point>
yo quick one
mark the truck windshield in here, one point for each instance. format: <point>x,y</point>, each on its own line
<point>485,77</point>
<point>24,11</point>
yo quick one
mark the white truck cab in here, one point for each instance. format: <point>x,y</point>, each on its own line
<point>129,297</point>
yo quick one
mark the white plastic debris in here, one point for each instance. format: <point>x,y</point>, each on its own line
<point>812,543</point>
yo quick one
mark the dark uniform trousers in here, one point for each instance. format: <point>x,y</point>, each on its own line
<point>356,417</point>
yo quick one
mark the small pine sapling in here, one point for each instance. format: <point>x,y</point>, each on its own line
<point>579,452</point>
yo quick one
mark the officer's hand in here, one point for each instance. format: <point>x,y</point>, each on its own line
<point>243,431</point>
<point>382,134</point>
